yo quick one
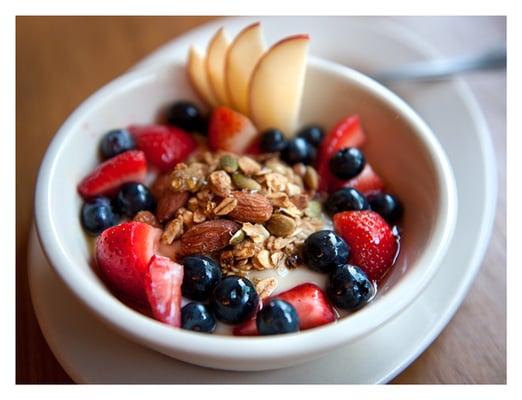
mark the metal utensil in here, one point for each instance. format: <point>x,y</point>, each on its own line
<point>445,68</point>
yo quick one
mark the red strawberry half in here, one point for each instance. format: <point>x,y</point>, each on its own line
<point>230,131</point>
<point>123,253</point>
<point>164,146</point>
<point>346,133</point>
<point>163,287</point>
<point>367,181</point>
<point>107,177</point>
<point>310,302</point>
<point>373,246</point>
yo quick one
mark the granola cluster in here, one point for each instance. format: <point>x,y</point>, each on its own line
<point>273,207</point>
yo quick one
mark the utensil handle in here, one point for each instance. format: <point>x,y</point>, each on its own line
<point>445,68</point>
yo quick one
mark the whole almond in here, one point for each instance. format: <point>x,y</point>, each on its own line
<point>251,207</point>
<point>169,203</point>
<point>161,185</point>
<point>208,237</point>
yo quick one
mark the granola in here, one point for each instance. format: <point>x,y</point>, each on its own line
<point>274,204</point>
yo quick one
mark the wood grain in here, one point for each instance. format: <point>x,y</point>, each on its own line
<point>62,60</point>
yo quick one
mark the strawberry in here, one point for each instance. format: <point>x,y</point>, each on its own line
<point>254,148</point>
<point>230,131</point>
<point>366,182</point>
<point>164,146</point>
<point>346,133</point>
<point>163,287</point>
<point>310,302</point>
<point>107,177</point>
<point>123,253</point>
<point>373,246</point>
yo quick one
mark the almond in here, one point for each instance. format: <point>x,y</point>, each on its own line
<point>161,185</point>
<point>251,207</point>
<point>169,203</point>
<point>208,237</point>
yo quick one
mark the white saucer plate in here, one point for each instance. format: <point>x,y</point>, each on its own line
<point>91,353</point>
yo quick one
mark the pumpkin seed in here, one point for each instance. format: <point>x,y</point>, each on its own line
<point>238,237</point>
<point>228,163</point>
<point>243,182</point>
<point>281,225</point>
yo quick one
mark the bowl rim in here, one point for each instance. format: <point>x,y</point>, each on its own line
<point>142,328</point>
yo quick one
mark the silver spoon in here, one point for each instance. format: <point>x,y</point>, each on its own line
<point>445,68</point>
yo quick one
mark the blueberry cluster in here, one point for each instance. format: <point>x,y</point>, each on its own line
<point>101,212</point>
<point>231,300</point>
<point>347,164</point>
<point>350,199</point>
<point>348,286</point>
<point>301,149</point>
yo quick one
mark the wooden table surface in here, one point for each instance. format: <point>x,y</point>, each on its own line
<point>60,61</point>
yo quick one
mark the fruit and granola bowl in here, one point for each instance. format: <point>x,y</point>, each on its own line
<point>247,209</point>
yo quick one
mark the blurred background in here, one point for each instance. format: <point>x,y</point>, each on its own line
<point>62,60</point>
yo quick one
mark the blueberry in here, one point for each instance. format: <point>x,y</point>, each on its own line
<point>185,115</point>
<point>200,275</point>
<point>134,197</point>
<point>313,134</point>
<point>272,140</point>
<point>298,150</point>
<point>203,125</point>
<point>346,199</point>
<point>277,316</point>
<point>98,215</point>
<point>349,288</point>
<point>234,300</point>
<point>197,317</point>
<point>324,250</point>
<point>347,163</point>
<point>115,142</point>
<point>387,205</point>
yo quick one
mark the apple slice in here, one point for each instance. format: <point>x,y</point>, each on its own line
<point>242,56</point>
<point>276,85</point>
<point>197,72</point>
<point>216,54</point>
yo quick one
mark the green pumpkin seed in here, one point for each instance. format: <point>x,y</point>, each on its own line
<point>243,182</point>
<point>238,237</point>
<point>228,163</point>
<point>281,225</point>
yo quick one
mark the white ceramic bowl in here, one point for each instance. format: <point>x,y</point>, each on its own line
<point>401,147</point>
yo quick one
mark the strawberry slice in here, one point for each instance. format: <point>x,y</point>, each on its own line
<point>123,253</point>
<point>366,182</point>
<point>373,246</point>
<point>346,133</point>
<point>230,131</point>
<point>163,287</point>
<point>310,302</point>
<point>164,146</point>
<point>107,177</point>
